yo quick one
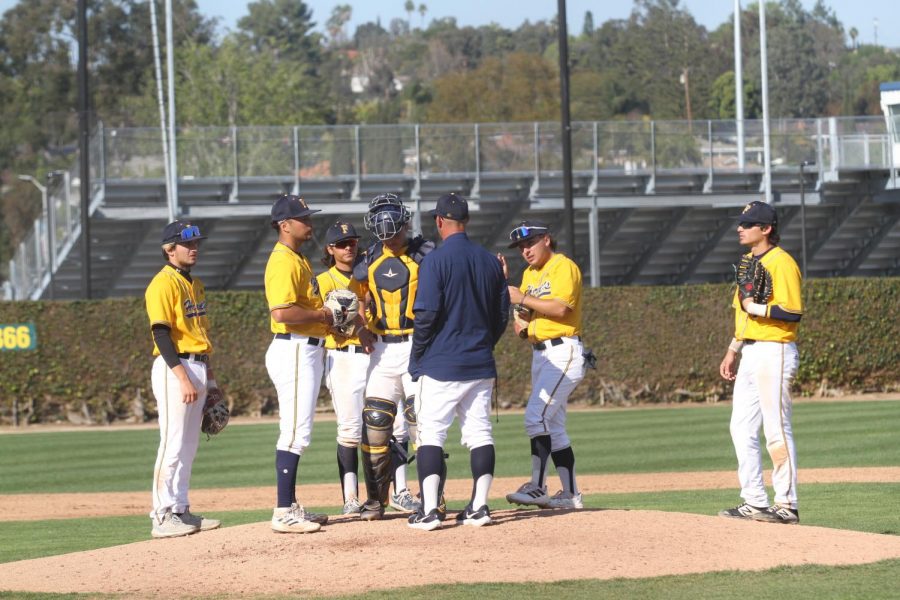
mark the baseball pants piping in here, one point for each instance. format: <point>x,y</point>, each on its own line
<point>295,368</point>
<point>555,372</point>
<point>179,435</point>
<point>762,395</point>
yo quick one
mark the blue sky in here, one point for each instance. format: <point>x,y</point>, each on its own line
<point>511,13</point>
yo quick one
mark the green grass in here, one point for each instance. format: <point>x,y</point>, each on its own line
<point>635,441</point>
<point>844,506</point>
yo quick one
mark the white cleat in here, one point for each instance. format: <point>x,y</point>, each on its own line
<point>293,519</point>
<point>172,526</point>
<point>563,499</point>
<point>529,494</point>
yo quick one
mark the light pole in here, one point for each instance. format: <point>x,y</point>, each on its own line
<point>803,164</point>
<point>48,219</point>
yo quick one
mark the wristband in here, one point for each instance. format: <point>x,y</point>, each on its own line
<point>736,345</point>
<point>758,310</point>
<point>211,383</point>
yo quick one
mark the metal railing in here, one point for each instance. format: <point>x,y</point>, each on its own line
<point>475,151</point>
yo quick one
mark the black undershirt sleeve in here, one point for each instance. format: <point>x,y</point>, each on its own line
<point>778,313</point>
<point>163,339</point>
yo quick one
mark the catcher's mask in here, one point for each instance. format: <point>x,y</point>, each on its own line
<point>386,216</point>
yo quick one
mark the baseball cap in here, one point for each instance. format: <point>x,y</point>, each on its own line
<point>451,206</point>
<point>290,206</point>
<point>527,230</point>
<point>340,231</point>
<point>181,231</point>
<point>758,212</point>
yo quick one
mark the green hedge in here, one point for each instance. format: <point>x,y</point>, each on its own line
<point>654,344</point>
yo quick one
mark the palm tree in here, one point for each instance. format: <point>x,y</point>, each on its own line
<point>854,33</point>
<point>422,10</point>
<point>410,8</point>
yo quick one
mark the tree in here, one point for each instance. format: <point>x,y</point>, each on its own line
<point>340,15</point>
<point>588,29</point>
<point>410,7</point>
<point>854,33</point>
<point>285,28</point>
<point>423,10</point>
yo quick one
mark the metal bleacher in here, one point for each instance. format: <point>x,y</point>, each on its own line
<point>654,203</point>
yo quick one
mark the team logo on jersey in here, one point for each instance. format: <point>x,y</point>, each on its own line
<point>539,291</point>
<point>192,311</point>
<point>390,274</point>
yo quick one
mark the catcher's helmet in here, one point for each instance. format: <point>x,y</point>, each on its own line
<point>386,216</point>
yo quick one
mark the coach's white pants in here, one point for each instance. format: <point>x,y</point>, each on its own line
<point>437,402</point>
<point>295,368</point>
<point>762,393</point>
<point>345,376</point>
<point>555,371</point>
<point>179,435</point>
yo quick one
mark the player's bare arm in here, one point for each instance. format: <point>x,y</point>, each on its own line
<point>551,307</point>
<point>295,315</point>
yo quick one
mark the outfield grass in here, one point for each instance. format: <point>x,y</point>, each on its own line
<point>630,441</point>
<point>850,434</point>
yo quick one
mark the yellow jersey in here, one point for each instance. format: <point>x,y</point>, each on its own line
<point>333,279</point>
<point>786,299</point>
<point>559,279</point>
<point>289,280</point>
<point>179,303</point>
<point>393,281</point>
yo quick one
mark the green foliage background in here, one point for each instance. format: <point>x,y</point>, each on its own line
<point>654,344</point>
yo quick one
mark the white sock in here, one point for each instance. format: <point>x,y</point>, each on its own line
<point>430,487</point>
<point>351,486</point>
<point>400,479</point>
<point>536,478</point>
<point>482,488</point>
<point>564,477</point>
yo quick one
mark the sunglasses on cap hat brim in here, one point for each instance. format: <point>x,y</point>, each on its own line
<point>526,232</point>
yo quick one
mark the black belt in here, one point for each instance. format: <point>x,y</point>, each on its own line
<point>553,342</point>
<point>312,341</point>
<point>749,342</point>
<point>194,357</point>
<point>352,349</point>
<point>394,339</point>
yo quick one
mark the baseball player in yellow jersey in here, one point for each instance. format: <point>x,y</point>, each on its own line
<point>391,268</point>
<point>549,317</point>
<point>182,378</point>
<point>296,357</point>
<point>346,360</point>
<point>765,335</point>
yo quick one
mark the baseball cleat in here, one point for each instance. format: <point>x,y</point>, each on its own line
<point>529,494</point>
<point>403,501</point>
<point>293,519</point>
<point>372,510</point>
<point>351,507</point>
<point>779,514</point>
<point>199,520</point>
<point>428,522</point>
<point>745,511</point>
<point>475,518</point>
<point>563,499</point>
<point>172,526</point>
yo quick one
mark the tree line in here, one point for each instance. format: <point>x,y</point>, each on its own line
<point>277,67</point>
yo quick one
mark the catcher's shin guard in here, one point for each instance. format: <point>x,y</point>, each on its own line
<point>378,425</point>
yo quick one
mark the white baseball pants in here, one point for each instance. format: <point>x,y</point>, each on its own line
<point>555,371</point>
<point>179,435</point>
<point>389,378</point>
<point>295,368</point>
<point>437,402</point>
<point>345,376</point>
<point>762,393</point>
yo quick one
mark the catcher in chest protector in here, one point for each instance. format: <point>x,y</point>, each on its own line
<point>347,345</point>
<point>768,307</point>
<point>391,269</point>
<point>182,379</point>
<point>295,359</point>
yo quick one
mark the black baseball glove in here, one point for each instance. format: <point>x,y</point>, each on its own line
<point>753,280</point>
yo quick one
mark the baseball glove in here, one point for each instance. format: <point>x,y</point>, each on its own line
<point>215,416</point>
<point>522,315</point>
<point>344,306</point>
<point>753,280</point>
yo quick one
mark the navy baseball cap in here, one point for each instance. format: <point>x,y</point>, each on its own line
<point>290,206</point>
<point>527,230</point>
<point>451,206</point>
<point>340,231</point>
<point>181,231</point>
<point>758,212</point>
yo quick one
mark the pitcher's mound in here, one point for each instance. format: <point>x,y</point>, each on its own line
<point>349,556</point>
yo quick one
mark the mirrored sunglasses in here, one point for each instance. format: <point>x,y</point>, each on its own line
<point>520,233</point>
<point>344,244</point>
<point>189,233</point>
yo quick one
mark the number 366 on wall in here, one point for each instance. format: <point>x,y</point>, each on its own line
<point>18,337</point>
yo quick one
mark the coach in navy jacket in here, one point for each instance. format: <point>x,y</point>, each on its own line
<point>461,309</point>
